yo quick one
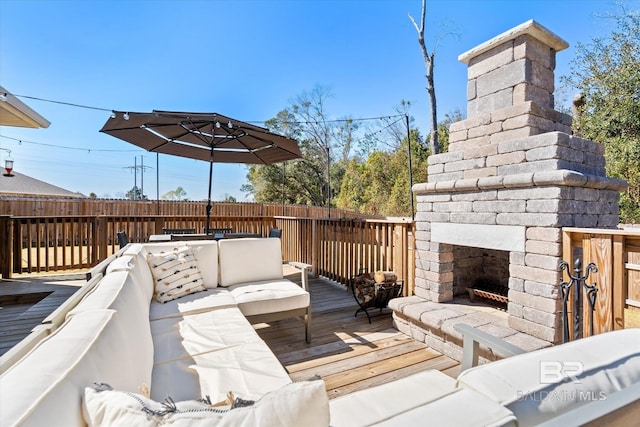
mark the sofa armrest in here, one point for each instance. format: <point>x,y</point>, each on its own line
<point>619,408</point>
<point>472,338</point>
<point>304,271</point>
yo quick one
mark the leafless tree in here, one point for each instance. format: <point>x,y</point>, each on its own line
<point>431,90</point>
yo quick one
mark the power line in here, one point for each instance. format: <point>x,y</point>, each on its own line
<point>71,104</point>
<point>89,150</point>
<point>308,122</point>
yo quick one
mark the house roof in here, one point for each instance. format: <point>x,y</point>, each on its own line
<point>14,112</point>
<point>23,185</point>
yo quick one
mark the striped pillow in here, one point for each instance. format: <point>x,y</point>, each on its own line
<point>175,274</point>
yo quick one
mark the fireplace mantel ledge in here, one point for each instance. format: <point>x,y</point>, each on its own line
<point>536,179</point>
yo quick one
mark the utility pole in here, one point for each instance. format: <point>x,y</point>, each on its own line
<point>406,117</point>
<point>135,168</point>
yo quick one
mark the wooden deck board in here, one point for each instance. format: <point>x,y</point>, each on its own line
<point>42,294</point>
<point>346,351</point>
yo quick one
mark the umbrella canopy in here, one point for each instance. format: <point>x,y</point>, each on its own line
<point>210,137</point>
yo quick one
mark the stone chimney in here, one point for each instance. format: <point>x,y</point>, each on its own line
<point>513,177</point>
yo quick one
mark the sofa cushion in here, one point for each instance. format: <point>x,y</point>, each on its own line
<point>199,302</point>
<point>179,338</point>
<point>175,378</point>
<point>175,274</point>
<point>542,384</point>
<point>118,290</point>
<point>461,408</point>
<point>137,264</point>
<point>399,396</point>
<point>269,296</point>
<point>248,370</point>
<point>297,404</point>
<point>176,340</point>
<point>249,260</point>
<point>87,348</point>
<point>204,251</point>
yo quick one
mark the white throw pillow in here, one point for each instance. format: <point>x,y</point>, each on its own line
<point>175,274</point>
<point>297,404</point>
<point>103,406</point>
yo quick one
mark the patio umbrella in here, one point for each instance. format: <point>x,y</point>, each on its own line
<point>210,137</point>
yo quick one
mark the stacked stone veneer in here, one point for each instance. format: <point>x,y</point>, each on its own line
<point>513,177</point>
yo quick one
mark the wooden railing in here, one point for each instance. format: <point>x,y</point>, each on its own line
<point>337,248</point>
<point>61,206</point>
<point>51,244</point>
<point>616,254</point>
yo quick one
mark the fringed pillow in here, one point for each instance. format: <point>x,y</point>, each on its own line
<point>297,404</point>
<point>175,274</point>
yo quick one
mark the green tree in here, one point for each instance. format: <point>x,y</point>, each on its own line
<point>325,145</point>
<point>177,194</point>
<point>135,194</point>
<point>607,74</point>
<point>380,184</point>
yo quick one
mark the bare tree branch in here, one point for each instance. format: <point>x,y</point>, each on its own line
<point>428,63</point>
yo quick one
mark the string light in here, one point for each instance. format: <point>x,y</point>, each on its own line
<point>110,110</point>
<point>125,116</point>
<point>68,148</point>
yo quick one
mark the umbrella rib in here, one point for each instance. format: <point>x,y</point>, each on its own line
<point>195,131</point>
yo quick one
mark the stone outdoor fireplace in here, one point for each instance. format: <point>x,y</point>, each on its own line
<point>492,211</point>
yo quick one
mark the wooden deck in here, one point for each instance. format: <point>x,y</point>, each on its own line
<point>26,301</point>
<point>346,351</point>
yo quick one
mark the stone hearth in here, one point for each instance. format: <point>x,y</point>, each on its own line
<point>513,177</point>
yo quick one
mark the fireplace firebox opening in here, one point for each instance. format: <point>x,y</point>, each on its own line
<point>481,273</point>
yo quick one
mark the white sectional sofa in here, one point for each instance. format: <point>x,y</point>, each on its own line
<point>202,344</point>
<point>113,354</point>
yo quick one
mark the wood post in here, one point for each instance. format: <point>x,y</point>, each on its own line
<point>101,235</point>
<point>159,224</point>
<point>314,247</point>
<point>5,246</point>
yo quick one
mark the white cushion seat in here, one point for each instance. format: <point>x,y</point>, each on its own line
<point>180,338</point>
<point>428,397</point>
<point>248,370</point>
<point>177,339</point>
<point>398,396</point>
<point>198,302</point>
<point>460,408</point>
<point>269,296</point>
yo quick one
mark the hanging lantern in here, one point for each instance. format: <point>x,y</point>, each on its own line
<point>8,166</point>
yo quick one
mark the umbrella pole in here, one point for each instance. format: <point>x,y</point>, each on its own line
<point>209,199</point>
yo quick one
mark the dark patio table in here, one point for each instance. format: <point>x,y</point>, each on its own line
<point>215,236</point>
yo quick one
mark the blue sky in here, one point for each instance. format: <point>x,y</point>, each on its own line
<point>245,59</point>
